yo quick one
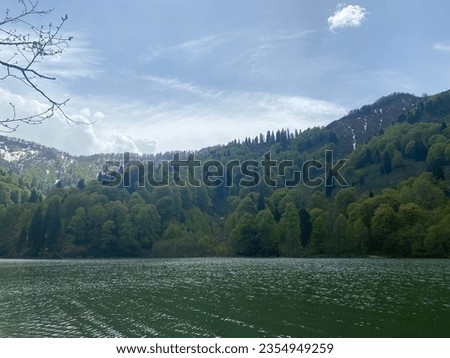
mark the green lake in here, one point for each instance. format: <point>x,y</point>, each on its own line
<point>225,297</point>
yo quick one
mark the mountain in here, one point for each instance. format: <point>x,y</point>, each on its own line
<point>390,198</point>
<point>18,155</point>
<point>49,165</point>
<point>40,164</point>
<point>362,124</point>
<point>42,167</point>
<point>45,166</point>
<point>356,128</point>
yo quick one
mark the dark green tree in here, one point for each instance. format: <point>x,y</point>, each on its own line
<point>305,227</point>
<point>267,233</point>
<point>36,232</point>
<point>244,237</point>
<point>53,227</point>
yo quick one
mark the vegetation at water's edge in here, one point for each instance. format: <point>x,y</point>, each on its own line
<point>398,203</point>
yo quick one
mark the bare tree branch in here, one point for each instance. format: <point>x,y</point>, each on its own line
<point>23,45</point>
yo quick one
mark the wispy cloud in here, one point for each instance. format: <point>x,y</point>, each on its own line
<point>176,84</point>
<point>251,39</point>
<point>284,36</point>
<point>193,47</point>
<point>442,47</point>
<point>347,16</point>
<point>205,44</point>
<point>238,60</point>
<point>79,60</point>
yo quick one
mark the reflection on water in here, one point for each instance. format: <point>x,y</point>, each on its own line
<point>225,298</point>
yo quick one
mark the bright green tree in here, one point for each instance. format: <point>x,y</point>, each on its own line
<point>267,233</point>
<point>244,238</point>
<point>290,232</point>
<point>383,226</point>
<point>319,234</point>
<point>437,241</point>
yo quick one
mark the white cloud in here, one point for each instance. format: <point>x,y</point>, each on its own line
<point>122,124</point>
<point>442,47</point>
<point>204,121</point>
<point>347,16</point>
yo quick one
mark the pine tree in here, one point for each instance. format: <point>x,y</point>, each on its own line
<point>53,227</point>
<point>261,205</point>
<point>81,184</point>
<point>36,232</point>
<point>33,196</point>
<point>387,163</point>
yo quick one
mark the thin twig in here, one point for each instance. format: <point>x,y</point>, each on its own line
<point>30,48</point>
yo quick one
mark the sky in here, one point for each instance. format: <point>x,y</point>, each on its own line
<point>158,75</point>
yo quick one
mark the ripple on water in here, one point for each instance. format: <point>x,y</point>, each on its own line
<point>224,297</point>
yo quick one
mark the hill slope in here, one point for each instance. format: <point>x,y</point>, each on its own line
<point>396,204</point>
<point>357,127</point>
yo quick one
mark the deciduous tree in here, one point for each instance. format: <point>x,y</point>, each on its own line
<point>25,46</point>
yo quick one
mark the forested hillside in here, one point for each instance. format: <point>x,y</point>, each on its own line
<point>396,204</point>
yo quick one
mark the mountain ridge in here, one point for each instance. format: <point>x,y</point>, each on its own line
<point>394,201</point>
<point>356,128</point>
<point>359,125</point>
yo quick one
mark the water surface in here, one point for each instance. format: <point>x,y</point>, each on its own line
<point>225,298</point>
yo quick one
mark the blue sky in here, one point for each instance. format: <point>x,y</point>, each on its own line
<point>162,75</point>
